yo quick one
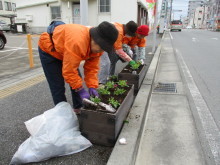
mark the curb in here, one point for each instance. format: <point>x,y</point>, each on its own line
<point>131,131</point>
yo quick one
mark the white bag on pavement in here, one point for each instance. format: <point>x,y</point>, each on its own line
<point>53,133</point>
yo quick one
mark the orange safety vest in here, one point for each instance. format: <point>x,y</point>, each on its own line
<point>72,43</point>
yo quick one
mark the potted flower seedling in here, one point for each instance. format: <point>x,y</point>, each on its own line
<point>113,78</point>
<point>123,83</point>
<point>113,102</point>
<point>103,91</point>
<point>110,85</point>
<point>95,99</point>
<point>119,91</point>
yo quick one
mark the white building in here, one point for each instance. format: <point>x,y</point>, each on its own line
<point>193,4</point>
<point>199,17</point>
<point>7,10</point>
<point>39,13</point>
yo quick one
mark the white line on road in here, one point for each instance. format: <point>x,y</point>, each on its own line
<point>9,50</point>
<point>171,36</point>
<point>210,128</point>
<point>214,38</point>
<point>16,49</point>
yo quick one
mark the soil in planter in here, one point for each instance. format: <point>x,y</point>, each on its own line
<point>105,98</point>
<point>128,69</point>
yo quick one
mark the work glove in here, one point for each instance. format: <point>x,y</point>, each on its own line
<point>132,62</point>
<point>130,53</point>
<point>83,93</point>
<point>141,61</point>
<point>93,92</point>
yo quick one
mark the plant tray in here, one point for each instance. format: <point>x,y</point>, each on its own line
<point>103,128</point>
<point>135,79</point>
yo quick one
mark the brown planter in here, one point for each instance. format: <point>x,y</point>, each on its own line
<point>103,128</point>
<point>135,79</point>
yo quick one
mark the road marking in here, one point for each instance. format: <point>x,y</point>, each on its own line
<point>9,50</point>
<point>18,48</point>
<point>20,86</point>
<point>214,38</point>
<point>209,126</point>
<point>171,36</point>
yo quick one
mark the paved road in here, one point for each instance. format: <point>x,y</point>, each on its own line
<point>200,50</point>
<point>32,101</point>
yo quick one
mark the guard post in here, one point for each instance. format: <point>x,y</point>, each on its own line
<point>31,58</point>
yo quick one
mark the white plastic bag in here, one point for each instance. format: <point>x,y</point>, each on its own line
<point>54,133</point>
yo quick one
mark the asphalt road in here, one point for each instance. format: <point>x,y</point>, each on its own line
<point>200,50</point>
<point>34,100</point>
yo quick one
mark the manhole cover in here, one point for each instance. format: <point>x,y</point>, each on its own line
<point>165,87</point>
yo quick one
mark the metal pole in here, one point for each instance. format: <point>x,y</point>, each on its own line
<point>84,12</point>
<point>155,28</point>
<point>31,59</point>
<point>171,8</point>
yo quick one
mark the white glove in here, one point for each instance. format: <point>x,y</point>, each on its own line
<point>142,62</point>
<point>130,53</point>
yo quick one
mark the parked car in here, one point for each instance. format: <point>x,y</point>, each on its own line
<point>3,40</point>
<point>176,25</point>
<point>4,26</point>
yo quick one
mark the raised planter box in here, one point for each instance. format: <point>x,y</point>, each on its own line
<point>103,128</point>
<point>135,79</point>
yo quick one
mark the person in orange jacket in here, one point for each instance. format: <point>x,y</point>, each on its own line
<point>62,54</point>
<point>135,46</point>
<point>111,59</point>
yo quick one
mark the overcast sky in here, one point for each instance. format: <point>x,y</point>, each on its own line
<point>180,5</point>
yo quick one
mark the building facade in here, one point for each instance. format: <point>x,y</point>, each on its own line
<point>38,14</point>
<point>7,11</point>
<point>193,4</point>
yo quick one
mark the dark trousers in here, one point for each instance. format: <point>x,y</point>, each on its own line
<point>113,57</point>
<point>53,71</point>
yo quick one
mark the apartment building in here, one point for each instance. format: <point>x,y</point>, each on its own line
<point>38,14</point>
<point>193,4</point>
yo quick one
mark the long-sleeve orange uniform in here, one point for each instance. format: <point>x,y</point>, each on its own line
<point>134,41</point>
<point>118,43</point>
<point>72,45</point>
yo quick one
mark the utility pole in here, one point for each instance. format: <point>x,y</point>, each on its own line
<point>155,28</point>
<point>171,8</point>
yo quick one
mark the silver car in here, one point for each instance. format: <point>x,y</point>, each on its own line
<point>4,26</point>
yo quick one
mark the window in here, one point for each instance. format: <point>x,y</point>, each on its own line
<point>104,6</point>
<point>1,6</point>
<point>200,12</point>
<point>55,12</point>
<point>199,18</point>
<point>13,5</point>
<point>8,6</point>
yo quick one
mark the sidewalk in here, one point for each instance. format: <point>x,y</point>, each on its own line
<point>161,130</point>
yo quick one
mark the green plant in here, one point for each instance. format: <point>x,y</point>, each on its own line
<point>95,99</point>
<point>110,84</point>
<point>113,78</point>
<point>119,91</point>
<point>113,102</point>
<point>103,91</point>
<point>122,83</point>
<point>135,66</point>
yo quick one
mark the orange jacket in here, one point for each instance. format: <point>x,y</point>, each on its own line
<point>121,34</point>
<point>118,43</point>
<point>134,41</point>
<point>72,44</point>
